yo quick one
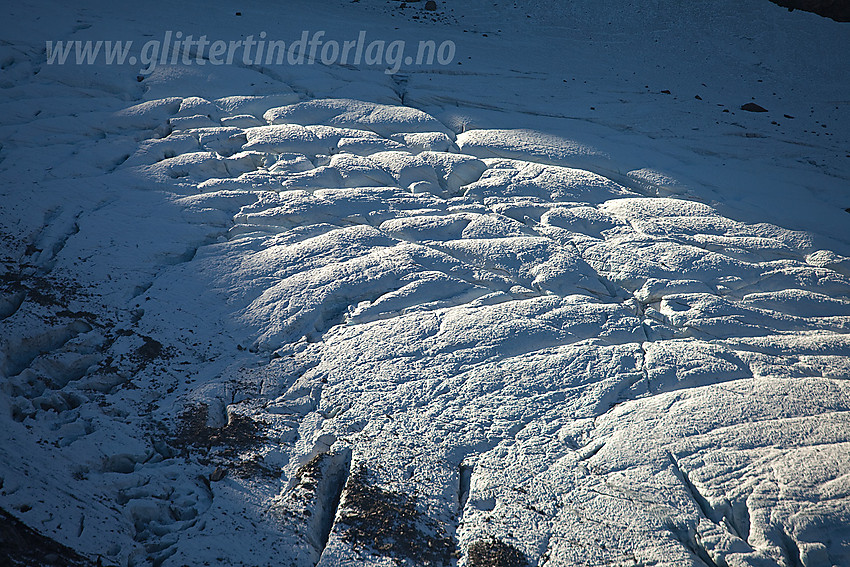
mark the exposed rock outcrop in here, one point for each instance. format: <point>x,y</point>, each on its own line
<point>838,10</point>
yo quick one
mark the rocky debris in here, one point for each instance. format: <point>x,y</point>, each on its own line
<point>240,432</point>
<point>753,107</point>
<point>492,552</point>
<point>389,523</point>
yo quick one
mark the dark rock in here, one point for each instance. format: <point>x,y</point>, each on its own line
<point>151,350</point>
<point>838,10</point>
<point>431,6</point>
<point>217,474</point>
<point>753,107</point>
<point>21,546</point>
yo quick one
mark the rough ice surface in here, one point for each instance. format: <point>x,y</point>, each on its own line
<point>525,309</point>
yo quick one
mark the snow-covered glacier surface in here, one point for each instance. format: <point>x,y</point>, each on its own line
<point>558,303</point>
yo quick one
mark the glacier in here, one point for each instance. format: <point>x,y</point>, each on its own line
<point>561,302</point>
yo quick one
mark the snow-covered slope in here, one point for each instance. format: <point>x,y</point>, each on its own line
<point>560,302</point>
